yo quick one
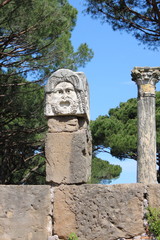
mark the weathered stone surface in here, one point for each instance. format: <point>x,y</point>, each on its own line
<point>153,193</point>
<point>105,212</point>
<point>64,217</point>
<point>24,212</point>
<point>99,211</point>
<point>66,124</point>
<point>68,157</point>
<point>146,79</point>
<point>67,93</point>
<point>147,172</point>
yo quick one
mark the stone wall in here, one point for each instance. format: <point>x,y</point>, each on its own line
<point>93,212</point>
<point>25,212</point>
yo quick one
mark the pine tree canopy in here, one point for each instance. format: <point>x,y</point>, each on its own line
<point>139,17</point>
<point>35,40</point>
<point>116,132</point>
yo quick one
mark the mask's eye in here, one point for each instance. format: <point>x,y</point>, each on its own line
<point>60,91</point>
<point>68,90</point>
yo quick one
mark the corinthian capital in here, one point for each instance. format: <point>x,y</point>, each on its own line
<point>146,79</point>
<point>143,75</point>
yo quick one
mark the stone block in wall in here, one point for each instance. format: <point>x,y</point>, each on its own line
<point>153,195</point>
<point>68,157</point>
<point>93,212</point>
<point>25,212</point>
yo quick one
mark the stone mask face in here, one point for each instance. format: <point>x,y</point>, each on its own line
<point>64,99</point>
<point>67,93</point>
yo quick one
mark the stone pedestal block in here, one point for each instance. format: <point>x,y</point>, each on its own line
<point>68,157</point>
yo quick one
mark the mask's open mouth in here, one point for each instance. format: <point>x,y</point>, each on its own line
<point>65,104</point>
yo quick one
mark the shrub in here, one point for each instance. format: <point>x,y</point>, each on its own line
<point>153,218</point>
<point>73,236</point>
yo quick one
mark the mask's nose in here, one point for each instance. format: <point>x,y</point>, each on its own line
<point>65,95</point>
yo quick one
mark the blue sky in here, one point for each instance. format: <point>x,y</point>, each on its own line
<point>109,72</point>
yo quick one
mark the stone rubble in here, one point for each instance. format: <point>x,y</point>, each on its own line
<point>55,237</point>
<point>143,236</point>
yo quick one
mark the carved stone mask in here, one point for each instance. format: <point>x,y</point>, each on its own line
<point>64,99</point>
<point>67,93</point>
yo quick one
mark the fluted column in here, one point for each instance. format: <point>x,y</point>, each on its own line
<point>146,79</point>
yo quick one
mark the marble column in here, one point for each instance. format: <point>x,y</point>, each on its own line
<point>146,79</point>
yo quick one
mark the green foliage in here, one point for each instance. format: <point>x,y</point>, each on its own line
<point>117,131</point>
<point>73,236</point>
<point>35,36</point>
<point>35,41</point>
<point>22,131</point>
<point>141,18</point>
<point>153,218</point>
<point>103,170</point>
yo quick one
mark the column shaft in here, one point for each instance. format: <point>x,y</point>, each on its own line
<point>146,170</point>
<point>146,79</point>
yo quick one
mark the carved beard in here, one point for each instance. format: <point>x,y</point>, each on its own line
<point>64,106</point>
